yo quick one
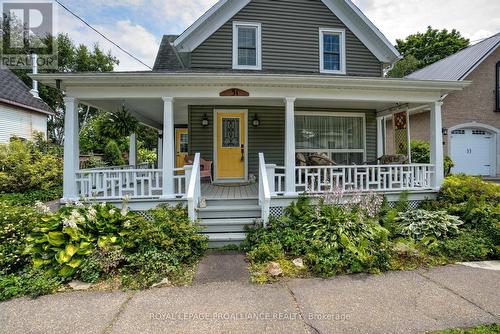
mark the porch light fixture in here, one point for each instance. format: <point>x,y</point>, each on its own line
<point>204,121</point>
<point>445,131</point>
<point>256,121</point>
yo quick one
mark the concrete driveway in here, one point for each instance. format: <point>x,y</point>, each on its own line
<point>395,302</point>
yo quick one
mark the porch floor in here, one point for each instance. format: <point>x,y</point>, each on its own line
<point>219,191</point>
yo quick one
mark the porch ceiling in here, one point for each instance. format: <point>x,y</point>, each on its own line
<point>150,111</point>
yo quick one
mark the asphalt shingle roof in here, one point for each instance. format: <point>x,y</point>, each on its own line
<point>457,66</point>
<point>14,91</point>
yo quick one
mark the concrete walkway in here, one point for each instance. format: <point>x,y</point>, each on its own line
<point>395,302</point>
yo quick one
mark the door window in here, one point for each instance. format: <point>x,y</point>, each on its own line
<point>230,132</point>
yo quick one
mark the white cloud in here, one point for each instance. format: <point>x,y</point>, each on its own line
<point>398,19</point>
<point>132,37</point>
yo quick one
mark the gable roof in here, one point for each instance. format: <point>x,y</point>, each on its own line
<point>13,91</point>
<point>459,65</point>
<point>168,58</point>
<point>345,10</point>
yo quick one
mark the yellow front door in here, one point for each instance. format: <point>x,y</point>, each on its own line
<point>181,147</point>
<point>231,145</point>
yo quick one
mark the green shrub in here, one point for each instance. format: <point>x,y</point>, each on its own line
<point>61,241</point>
<point>420,154</point>
<point>31,283</point>
<point>266,252</point>
<point>458,189</point>
<point>331,238</point>
<point>419,224</point>
<point>159,247</point>
<point>113,155</point>
<point>16,223</point>
<point>145,155</point>
<point>33,196</point>
<point>29,166</point>
<point>467,246</point>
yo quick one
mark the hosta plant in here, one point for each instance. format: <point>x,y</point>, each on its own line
<point>61,241</point>
<point>420,224</point>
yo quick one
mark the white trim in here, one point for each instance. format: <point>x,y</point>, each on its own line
<point>258,45</point>
<point>345,10</point>
<point>342,47</point>
<point>215,137</point>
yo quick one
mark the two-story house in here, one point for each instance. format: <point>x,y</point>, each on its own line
<point>271,99</point>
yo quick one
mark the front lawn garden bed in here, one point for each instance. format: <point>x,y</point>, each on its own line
<point>40,252</point>
<point>364,234</point>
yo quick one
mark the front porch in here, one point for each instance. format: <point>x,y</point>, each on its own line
<point>254,139</point>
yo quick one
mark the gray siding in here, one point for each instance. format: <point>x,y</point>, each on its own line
<point>290,39</point>
<point>268,138</point>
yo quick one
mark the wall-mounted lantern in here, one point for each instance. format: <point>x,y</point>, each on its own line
<point>445,131</point>
<point>204,121</point>
<point>256,121</point>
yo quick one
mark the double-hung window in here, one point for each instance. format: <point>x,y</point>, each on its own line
<point>332,51</point>
<point>341,136</point>
<point>247,46</point>
<point>497,87</point>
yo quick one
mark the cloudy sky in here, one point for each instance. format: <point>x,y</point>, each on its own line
<point>138,25</point>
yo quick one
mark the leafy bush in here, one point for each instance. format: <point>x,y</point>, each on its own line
<point>419,224</point>
<point>31,197</point>
<point>61,241</point>
<point>420,154</point>
<point>158,247</point>
<point>29,166</point>
<point>467,246</point>
<point>459,189</point>
<point>16,223</point>
<point>331,238</point>
<point>31,283</point>
<point>266,252</point>
<point>146,155</point>
<point>113,155</point>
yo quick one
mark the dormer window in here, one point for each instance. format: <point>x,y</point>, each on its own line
<point>332,51</point>
<point>247,46</point>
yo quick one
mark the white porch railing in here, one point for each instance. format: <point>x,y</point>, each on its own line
<point>126,181</point>
<point>264,190</point>
<point>321,179</point>
<point>194,187</point>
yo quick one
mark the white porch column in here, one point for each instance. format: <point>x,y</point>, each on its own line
<point>290,146</point>
<point>132,151</point>
<point>168,148</point>
<point>71,149</point>
<point>436,142</point>
<point>380,136</point>
<point>159,150</point>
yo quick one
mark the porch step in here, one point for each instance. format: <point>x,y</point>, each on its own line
<point>226,225</point>
<point>219,240</point>
<point>231,202</point>
<point>229,211</point>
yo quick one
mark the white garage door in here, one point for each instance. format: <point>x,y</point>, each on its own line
<point>471,151</point>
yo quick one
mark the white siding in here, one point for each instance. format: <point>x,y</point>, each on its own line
<point>20,123</point>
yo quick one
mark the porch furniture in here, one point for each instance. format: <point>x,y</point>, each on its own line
<point>320,160</point>
<point>206,169</point>
<point>396,159</point>
<point>300,159</point>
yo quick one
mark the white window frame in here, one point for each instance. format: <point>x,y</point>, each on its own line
<point>342,47</point>
<point>337,114</point>
<point>258,45</point>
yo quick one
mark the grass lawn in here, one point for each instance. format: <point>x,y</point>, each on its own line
<point>486,329</point>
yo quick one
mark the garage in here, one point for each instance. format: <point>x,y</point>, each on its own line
<point>473,151</point>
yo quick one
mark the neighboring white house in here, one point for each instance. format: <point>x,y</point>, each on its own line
<point>21,113</point>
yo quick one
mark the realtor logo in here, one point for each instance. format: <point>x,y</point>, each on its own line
<point>28,27</point>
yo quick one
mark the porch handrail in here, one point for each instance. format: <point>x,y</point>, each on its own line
<point>397,177</point>
<point>264,191</point>
<point>194,188</point>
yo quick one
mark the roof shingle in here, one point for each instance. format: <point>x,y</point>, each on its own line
<point>14,91</point>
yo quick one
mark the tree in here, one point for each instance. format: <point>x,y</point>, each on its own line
<point>426,48</point>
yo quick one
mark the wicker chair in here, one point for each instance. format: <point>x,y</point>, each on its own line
<point>396,159</point>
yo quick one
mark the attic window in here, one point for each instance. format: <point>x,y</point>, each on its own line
<point>332,51</point>
<point>246,46</point>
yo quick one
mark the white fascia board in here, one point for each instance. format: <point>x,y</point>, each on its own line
<point>208,23</point>
<point>364,29</point>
